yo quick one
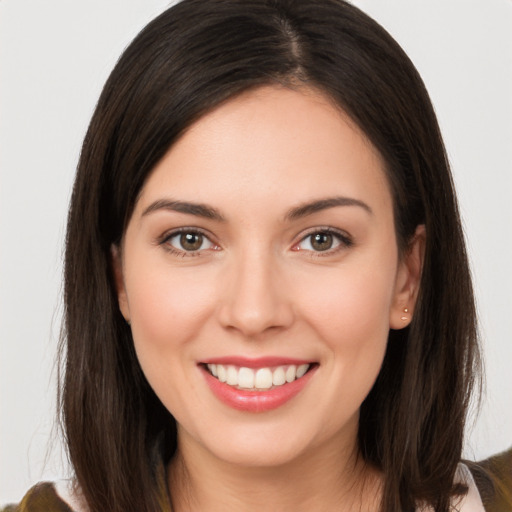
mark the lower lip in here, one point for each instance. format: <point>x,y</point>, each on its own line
<point>257,401</point>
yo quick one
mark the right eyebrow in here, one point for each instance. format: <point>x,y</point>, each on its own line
<point>306,209</point>
<point>197,209</point>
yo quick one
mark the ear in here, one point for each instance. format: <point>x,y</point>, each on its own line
<point>407,282</point>
<point>117,269</point>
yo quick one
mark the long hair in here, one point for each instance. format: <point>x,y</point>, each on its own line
<point>188,60</point>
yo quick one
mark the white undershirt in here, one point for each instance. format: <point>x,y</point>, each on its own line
<point>471,502</point>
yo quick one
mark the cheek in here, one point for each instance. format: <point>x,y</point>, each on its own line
<point>348,309</point>
<point>352,321</point>
<point>167,308</point>
<point>165,297</point>
<point>350,305</point>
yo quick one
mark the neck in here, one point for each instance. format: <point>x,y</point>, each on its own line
<point>325,480</point>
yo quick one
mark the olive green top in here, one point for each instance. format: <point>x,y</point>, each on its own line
<point>41,498</point>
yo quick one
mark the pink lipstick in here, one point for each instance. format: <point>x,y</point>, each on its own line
<point>256,385</point>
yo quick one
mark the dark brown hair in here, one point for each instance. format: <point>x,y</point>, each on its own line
<point>191,58</point>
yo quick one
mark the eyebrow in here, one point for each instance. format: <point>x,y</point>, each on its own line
<point>208,212</point>
<point>197,209</point>
<point>306,209</point>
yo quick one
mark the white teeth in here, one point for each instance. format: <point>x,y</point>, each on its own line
<point>262,378</point>
<point>221,371</point>
<point>291,373</point>
<point>301,370</point>
<point>246,378</point>
<point>232,376</point>
<point>278,377</point>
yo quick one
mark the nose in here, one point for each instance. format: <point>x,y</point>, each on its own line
<point>255,298</point>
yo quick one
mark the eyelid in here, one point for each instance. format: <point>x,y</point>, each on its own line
<point>167,235</point>
<point>345,240</point>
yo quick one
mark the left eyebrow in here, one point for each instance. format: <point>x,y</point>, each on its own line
<point>197,209</point>
<point>306,209</point>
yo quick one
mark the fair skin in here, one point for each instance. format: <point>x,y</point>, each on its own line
<point>290,255</point>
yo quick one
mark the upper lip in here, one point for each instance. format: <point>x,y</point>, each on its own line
<point>258,362</point>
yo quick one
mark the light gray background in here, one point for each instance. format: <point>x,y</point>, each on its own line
<point>55,56</point>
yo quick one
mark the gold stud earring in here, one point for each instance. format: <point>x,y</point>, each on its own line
<point>405,318</point>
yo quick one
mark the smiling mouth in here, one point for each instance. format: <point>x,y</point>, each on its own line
<point>260,379</point>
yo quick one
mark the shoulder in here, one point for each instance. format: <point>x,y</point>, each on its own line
<point>471,501</point>
<point>493,478</point>
<point>50,497</point>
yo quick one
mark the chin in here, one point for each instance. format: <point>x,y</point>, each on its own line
<point>260,445</point>
<point>261,454</point>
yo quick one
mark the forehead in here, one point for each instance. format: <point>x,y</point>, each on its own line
<point>271,144</point>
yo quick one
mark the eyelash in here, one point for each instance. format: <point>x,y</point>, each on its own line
<point>344,242</point>
<point>165,242</point>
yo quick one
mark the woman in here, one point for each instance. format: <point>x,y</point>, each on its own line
<point>267,295</point>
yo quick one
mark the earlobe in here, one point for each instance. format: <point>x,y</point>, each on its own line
<point>408,281</point>
<point>117,270</point>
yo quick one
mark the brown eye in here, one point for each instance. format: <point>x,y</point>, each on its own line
<point>321,241</point>
<point>191,241</point>
<point>188,242</point>
<point>324,240</point>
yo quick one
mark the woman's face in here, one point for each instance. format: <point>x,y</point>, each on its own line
<point>263,246</point>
